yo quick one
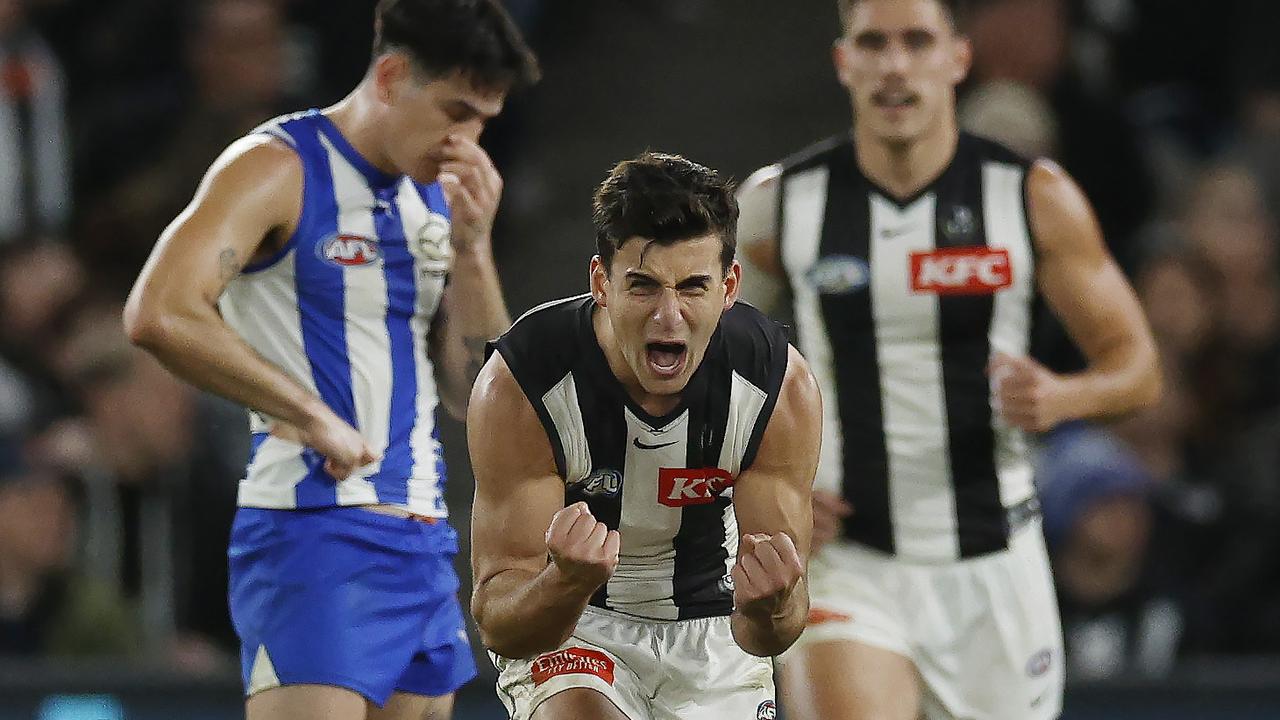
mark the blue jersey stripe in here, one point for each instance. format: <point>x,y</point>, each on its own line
<point>392,480</point>
<point>433,197</point>
<point>320,289</point>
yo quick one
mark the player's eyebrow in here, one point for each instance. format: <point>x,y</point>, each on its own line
<point>701,280</point>
<point>635,276</point>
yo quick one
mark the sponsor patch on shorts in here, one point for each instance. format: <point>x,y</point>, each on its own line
<point>817,616</point>
<point>1040,663</point>
<point>574,660</point>
<point>767,711</point>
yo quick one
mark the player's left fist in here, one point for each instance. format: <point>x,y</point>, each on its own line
<point>472,188</point>
<point>1026,394</point>
<point>767,570</point>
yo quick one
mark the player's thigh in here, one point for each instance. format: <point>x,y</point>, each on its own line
<point>305,702</point>
<point>848,680</point>
<point>408,706</point>
<point>583,703</point>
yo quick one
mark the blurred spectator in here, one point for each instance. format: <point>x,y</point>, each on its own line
<point>35,189</point>
<point>1117,615</point>
<point>37,287</point>
<point>174,456</point>
<point>46,608</point>
<point>237,54</point>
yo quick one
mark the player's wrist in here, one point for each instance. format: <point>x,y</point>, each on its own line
<point>567,581</point>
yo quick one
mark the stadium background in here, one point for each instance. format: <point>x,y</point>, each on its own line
<point>1164,527</point>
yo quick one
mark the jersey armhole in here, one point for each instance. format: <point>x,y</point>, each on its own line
<point>778,361</point>
<point>303,214</point>
<point>503,348</point>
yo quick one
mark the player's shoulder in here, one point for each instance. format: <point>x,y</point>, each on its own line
<point>543,343</point>
<point>815,155</point>
<point>755,345</point>
<point>981,149</point>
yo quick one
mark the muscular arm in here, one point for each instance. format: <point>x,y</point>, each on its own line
<point>763,276</point>
<point>473,310</point>
<point>1087,291</point>
<point>522,603</point>
<point>772,497</point>
<point>252,189</point>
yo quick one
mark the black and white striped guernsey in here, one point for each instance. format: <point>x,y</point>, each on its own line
<point>665,483</point>
<point>898,307</point>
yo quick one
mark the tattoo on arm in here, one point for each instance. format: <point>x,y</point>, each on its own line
<point>473,347</point>
<point>228,265</point>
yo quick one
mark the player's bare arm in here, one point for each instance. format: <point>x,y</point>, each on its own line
<point>758,239</point>
<point>535,562</point>
<point>1087,291</point>
<point>773,505</point>
<point>472,310</point>
<point>252,192</point>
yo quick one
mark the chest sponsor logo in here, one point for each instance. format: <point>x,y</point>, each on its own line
<point>767,711</point>
<point>571,661</point>
<point>604,482</point>
<point>678,487</point>
<point>839,275</point>
<point>349,251</point>
<point>432,247</point>
<point>961,271</point>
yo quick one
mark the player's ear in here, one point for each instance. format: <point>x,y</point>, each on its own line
<point>963,60</point>
<point>732,282</point>
<point>389,69</point>
<point>839,55</point>
<point>599,276</point>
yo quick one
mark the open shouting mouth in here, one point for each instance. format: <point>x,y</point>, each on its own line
<point>666,359</point>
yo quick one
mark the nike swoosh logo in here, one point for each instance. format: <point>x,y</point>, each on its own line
<point>893,232</point>
<point>642,446</point>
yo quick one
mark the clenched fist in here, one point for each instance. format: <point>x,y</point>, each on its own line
<point>767,570</point>
<point>1026,394</point>
<point>584,550</point>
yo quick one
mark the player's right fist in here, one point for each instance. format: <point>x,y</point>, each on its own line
<point>583,549</point>
<point>342,446</point>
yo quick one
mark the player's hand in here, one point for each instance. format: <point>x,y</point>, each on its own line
<point>1026,394</point>
<point>767,570</point>
<point>472,187</point>
<point>343,448</point>
<point>584,550</point>
<point>829,512</point>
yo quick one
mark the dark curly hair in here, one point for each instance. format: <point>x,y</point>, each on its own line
<point>475,37</point>
<point>663,199</point>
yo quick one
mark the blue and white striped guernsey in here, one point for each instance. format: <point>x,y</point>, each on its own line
<point>344,308</point>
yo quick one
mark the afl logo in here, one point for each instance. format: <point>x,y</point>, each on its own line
<point>839,275</point>
<point>767,711</point>
<point>349,251</point>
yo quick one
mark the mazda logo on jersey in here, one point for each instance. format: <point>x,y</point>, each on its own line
<point>678,487</point>
<point>961,271</point>
<point>349,251</point>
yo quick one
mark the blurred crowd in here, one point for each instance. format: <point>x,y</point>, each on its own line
<point>117,482</point>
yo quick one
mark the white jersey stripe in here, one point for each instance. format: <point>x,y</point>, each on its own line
<point>806,198</point>
<point>561,402</point>
<point>368,346</point>
<point>1010,333</point>
<point>647,559</point>
<point>909,356</point>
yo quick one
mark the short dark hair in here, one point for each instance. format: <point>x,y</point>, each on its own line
<point>476,37</point>
<point>955,11</point>
<point>664,199</point>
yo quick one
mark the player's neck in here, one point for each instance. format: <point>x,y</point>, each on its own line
<point>904,169</point>
<point>356,118</point>
<point>656,405</point>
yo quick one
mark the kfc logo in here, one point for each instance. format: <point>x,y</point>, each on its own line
<point>678,487</point>
<point>961,271</point>
<point>570,661</point>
